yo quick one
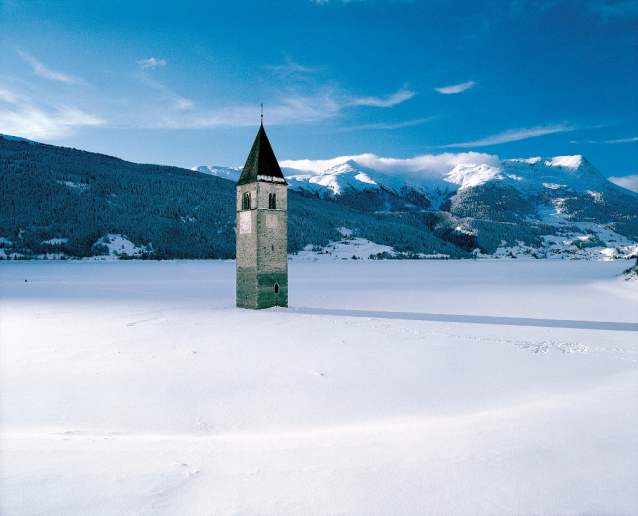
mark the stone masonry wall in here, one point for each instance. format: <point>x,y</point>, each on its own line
<point>262,254</point>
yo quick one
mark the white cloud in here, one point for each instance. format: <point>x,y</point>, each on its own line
<point>317,165</point>
<point>457,88</point>
<point>427,162</point>
<point>628,182</point>
<point>423,164</point>
<point>515,135</point>
<point>34,123</point>
<point>151,63</point>
<point>45,72</point>
<point>19,116</point>
<point>400,96</point>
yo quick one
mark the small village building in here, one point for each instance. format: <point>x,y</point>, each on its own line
<point>262,229</point>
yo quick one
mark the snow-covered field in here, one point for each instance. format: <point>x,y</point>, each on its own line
<point>499,387</point>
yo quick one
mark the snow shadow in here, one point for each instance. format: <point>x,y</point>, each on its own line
<point>473,319</point>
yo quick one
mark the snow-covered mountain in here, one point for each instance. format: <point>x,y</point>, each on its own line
<point>231,173</point>
<point>436,178</point>
<point>532,175</point>
<point>539,206</point>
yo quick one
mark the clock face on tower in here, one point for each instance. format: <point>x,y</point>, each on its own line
<point>271,221</point>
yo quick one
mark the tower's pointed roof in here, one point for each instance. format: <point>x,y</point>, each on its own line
<point>261,164</point>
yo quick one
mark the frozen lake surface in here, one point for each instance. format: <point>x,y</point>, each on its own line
<point>396,387</point>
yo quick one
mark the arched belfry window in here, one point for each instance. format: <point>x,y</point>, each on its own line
<point>272,201</point>
<point>276,288</point>
<point>245,201</point>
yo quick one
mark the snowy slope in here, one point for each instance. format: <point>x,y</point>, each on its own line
<point>136,388</point>
<point>335,179</point>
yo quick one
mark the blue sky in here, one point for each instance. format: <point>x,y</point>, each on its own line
<point>180,83</point>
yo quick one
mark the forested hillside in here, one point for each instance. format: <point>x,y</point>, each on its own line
<point>58,193</point>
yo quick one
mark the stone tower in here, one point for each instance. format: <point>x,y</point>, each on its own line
<point>262,229</point>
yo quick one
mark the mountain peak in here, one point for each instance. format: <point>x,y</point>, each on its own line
<point>471,175</point>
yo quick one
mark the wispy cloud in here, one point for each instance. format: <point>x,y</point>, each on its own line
<point>390,127</point>
<point>623,140</point>
<point>45,72</point>
<point>613,9</point>
<point>350,1</point>
<point>294,109</point>
<point>152,83</point>
<point>9,96</point>
<point>183,103</point>
<point>514,135</point>
<point>291,109</point>
<point>29,118</point>
<point>177,101</point>
<point>605,9</point>
<point>457,88</point>
<point>35,123</point>
<point>397,98</point>
<point>296,97</point>
<point>151,63</point>
<point>628,182</point>
<point>291,68</point>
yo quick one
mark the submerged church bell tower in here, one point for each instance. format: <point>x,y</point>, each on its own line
<point>262,229</point>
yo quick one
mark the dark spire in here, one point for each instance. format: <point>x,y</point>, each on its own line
<point>261,164</point>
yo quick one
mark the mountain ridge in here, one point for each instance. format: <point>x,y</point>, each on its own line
<point>61,202</point>
<point>572,171</point>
